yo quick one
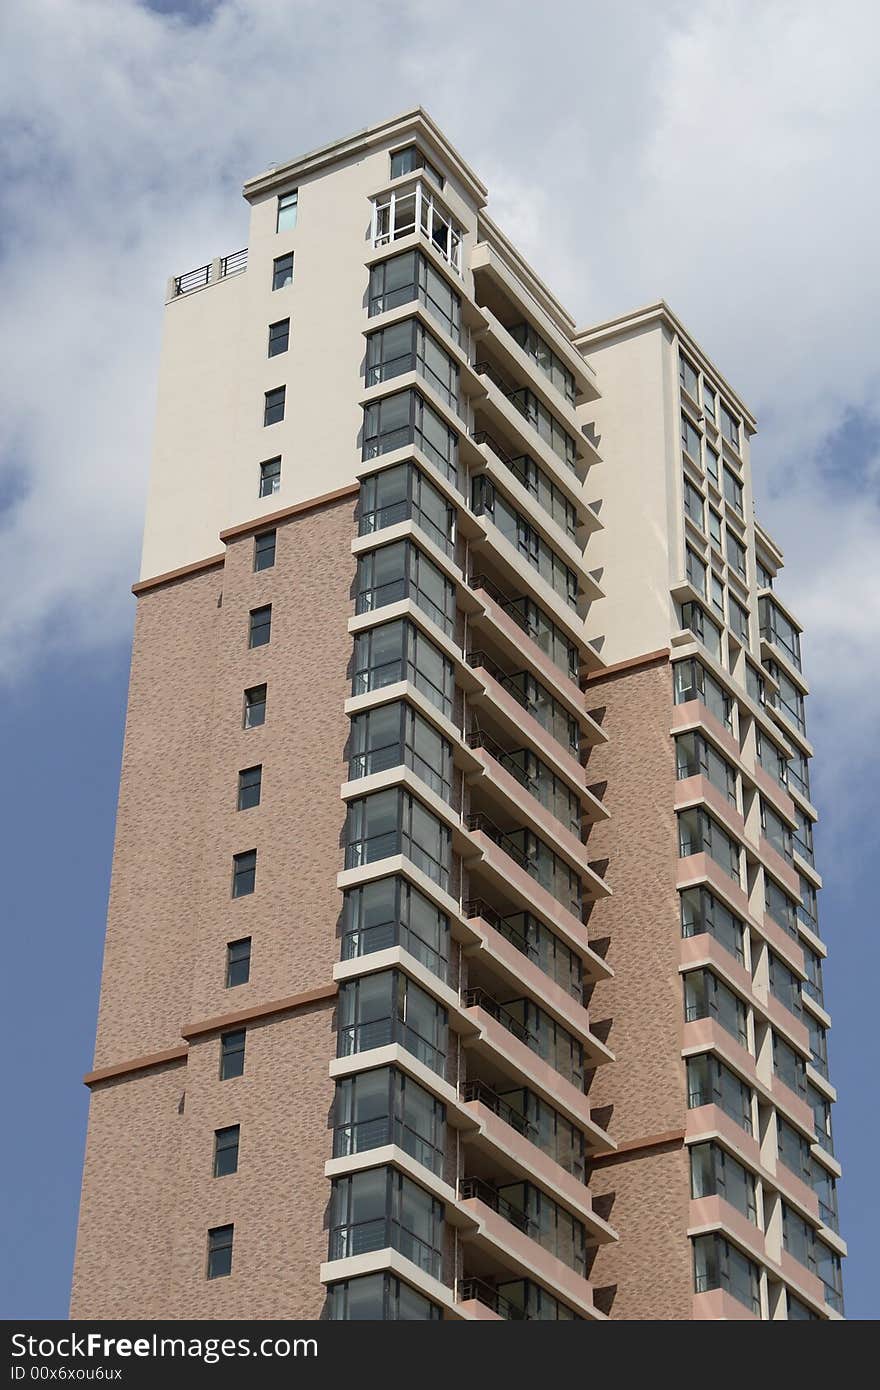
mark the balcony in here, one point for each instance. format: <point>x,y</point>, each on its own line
<point>569,1249</point>
<point>210,274</point>
<point>568,514</point>
<point>513,413</point>
<point>381,1032</point>
<point>381,1233</point>
<point>415,208</point>
<point>551,653</point>
<point>559,808</point>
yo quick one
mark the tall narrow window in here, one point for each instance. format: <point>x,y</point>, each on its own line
<point>238,962</point>
<point>285,219</point>
<point>255,706</point>
<point>273,408</point>
<point>226,1150</point>
<point>232,1054</point>
<point>279,337</point>
<point>244,873</point>
<point>270,477</point>
<point>264,550</point>
<point>260,627</point>
<point>250,781</point>
<point>220,1251</point>
<point>282,271</point>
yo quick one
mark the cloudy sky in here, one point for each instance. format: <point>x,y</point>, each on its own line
<point>722,156</point>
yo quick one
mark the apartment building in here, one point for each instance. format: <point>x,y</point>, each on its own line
<point>462,956</point>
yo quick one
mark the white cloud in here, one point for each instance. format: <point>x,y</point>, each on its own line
<point>720,156</point>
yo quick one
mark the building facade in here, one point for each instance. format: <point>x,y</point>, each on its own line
<point>462,956</point>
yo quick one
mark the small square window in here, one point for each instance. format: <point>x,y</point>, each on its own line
<point>260,629</point>
<point>226,1150</point>
<point>270,477</point>
<point>238,962</point>
<point>273,407</point>
<point>244,873</point>
<point>264,550</point>
<point>255,706</point>
<point>250,781</point>
<point>282,271</point>
<point>220,1251</point>
<point>285,220</point>
<point>232,1054</point>
<point>279,337</point>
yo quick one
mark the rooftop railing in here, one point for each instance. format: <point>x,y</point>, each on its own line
<point>209,274</point>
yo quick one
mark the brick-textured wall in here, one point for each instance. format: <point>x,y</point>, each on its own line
<point>148,1195</point>
<point>644,1089</point>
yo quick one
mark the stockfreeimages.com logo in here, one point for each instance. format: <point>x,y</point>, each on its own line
<point>97,1346</point>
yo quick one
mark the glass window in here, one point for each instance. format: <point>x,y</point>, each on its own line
<point>391,912</point>
<point>285,220</point>
<point>715,528</point>
<point>729,426</point>
<point>381,1107</point>
<point>709,405</point>
<point>818,1044</point>
<point>798,1238</point>
<point>220,1251</point>
<point>547,426</point>
<point>710,1082</point>
<point>785,985</point>
<point>776,628</point>
<point>813,965</point>
<point>770,756</point>
<point>399,651</point>
<point>394,822</point>
<point>260,626</point>
<point>279,337</point>
<point>226,1150</point>
<point>789,1066</point>
<point>250,781</point>
<point>404,493</point>
<point>765,578</point>
<point>382,1207</point>
<point>408,347</point>
<point>793,1149</point>
<point>687,375</point>
<point>712,464</point>
<point>696,757</point>
<point>716,1173</point>
<point>536,699</point>
<point>774,829</point>
<point>539,350</point>
<point>282,271</point>
<point>409,160</point>
<point>401,571</point>
<point>273,409</point>
<point>690,441</point>
<point>736,555</point>
<point>799,772</point>
<point>704,628</point>
<point>720,1265</point>
<point>377,1010</point>
<point>244,873</point>
<point>264,550</point>
<point>779,906</point>
<point>255,706</point>
<point>270,477</point>
<point>717,594</point>
<point>486,499</point>
<point>790,699</point>
<point>733,491</point>
<point>807,911</point>
<point>406,418</point>
<point>238,962</point>
<point>693,682</point>
<point>700,833</point>
<point>696,571</point>
<point>395,734</point>
<point>408,210</point>
<point>693,504</point>
<point>739,619</point>
<point>552,641</point>
<point>702,912</point>
<point>401,279</point>
<point>379,1297</point>
<point>705,996</point>
<point>821,1108</point>
<point>232,1054</point>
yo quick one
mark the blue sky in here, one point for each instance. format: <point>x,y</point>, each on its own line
<point>718,156</point>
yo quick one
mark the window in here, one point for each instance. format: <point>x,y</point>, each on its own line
<point>238,962</point>
<point>798,1238</point>
<point>409,347</point>
<point>690,440</point>
<point>797,1311</point>
<point>220,1251</point>
<point>710,1082</point>
<point>406,418</point>
<point>282,271</point>
<point>715,1173</point>
<point>765,578</point>
<point>382,1207</point>
<point>404,493</point>
<point>693,682</point>
<point>399,651</point>
<point>736,555</point>
<point>824,1185</point>
<point>279,337</point>
<point>391,912</point>
<point>739,619</point>
<point>774,830</point>
<point>702,912</point>
<point>696,571</point>
<point>704,628</point>
<point>793,1149</point>
<point>712,464</point>
<point>554,501</point>
<point>717,594</point>
<point>405,211</point>
<point>249,783</point>
<point>705,996</point>
<point>552,641</point>
<point>394,822</point>
<point>232,1054</point>
<point>226,1151</point>
<point>789,1066</point>
<point>389,1007</point>
<point>785,985</point>
<point>387,1107</point>
<point>696,757</point>
<point>790,699</point>
<point>488,500</point>
<point>391,735</point>
<point>273,409</point>
<point>536,699</point>
<point>255,706</point>
<point>544,422</point>
<point>821,1108</point>
<point>720,1265</point>
<point>709,401</point>
<point>733,491</point>
<point>541,353</point>
<point>693,504</point>
<point>776,628</point>
<point>818,1045</point>
<point>270,477</point>
<point>260,626</point>
<point>756,686</point>
<point>407,161</point>
<point>729,427</point>
<point>715,528</point>
<point>770,756</point>
<point>799,772</point>
<point>244,873</point>
<point>779,906</point>
<point>700,833</point>
<point>264,550</point>
<point>401,571</point>
<point>807,911</point>
<point>812,985</point>
<point>379,1298</point>
<point>687,376</point>
<point>548,1039</point>
<point>285,219</point>
<point>829,1271</point>
<point>401,279</point>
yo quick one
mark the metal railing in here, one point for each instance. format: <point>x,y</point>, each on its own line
<point>479,1091</point>
<point>478,738</point>
<point>484,1192</point>
<point>380,1032</point>
<point>479,821</point>
<point>231,265</point>
<point>364,941</point>
<point>197,279</point>
<point>362,1135</point>
<point>479,1291</point>
<point>193,279</point>
<point>478,907</point>
<point>360,1237</point>
<point>481,999</point>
